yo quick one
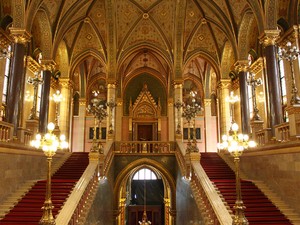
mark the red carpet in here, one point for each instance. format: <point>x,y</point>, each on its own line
<point>259,209</point>
<point>28,210</point>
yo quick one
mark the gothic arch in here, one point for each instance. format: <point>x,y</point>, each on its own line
<point>243,38</point>
<point>41,25</point>
<point>124,175</point>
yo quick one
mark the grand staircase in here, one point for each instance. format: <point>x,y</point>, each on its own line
<point>259,209</point>
<point>28,209</point>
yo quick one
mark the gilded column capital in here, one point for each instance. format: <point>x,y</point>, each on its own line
<point>66,83</point>
<point>111,85</point>
<point>241,66</point>
<point>20,35</point>
<point>207,102</point>
<point>177,84</point>
<point>48,64</point>
<point>82,101</point>
<point>269,37</point>
<point>224,84</point>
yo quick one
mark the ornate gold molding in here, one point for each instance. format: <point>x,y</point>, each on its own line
<point>224,84</point>
<point>291,35</point>
<point>66,83</point>
<point>292,110</point>
<point>241,66</point>
<point>32,65</point>
<point>269,37</point>
<point>48,64</point>
<point>257,66</point>
<point>19,35</point>
<point>177,85</point>
<point>5,39</point>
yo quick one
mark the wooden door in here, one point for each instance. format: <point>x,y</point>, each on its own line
<point>145,132</point>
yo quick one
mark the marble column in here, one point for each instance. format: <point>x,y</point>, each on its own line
<point>48,66</point>
<point>242,67</point>
<point>177,121</point>
<point>275,115</point>
<point>210,128</point>
<point>110,120</point>
<point>17,78</point>
<point>65,109</point>
<point>225,118</point>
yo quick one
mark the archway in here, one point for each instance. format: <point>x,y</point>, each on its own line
<point>124,204</point>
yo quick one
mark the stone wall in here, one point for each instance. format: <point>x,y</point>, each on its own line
<point>186,208</point>
<point>280,171</point>
<point>18,166</point>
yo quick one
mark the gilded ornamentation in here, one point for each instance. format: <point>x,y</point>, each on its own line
<point>33,65</point>
<point>145,106</point>
<point>269,37</point>
<point>20,35</point>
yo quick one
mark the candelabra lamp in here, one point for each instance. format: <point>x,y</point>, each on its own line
<point>111,105</point>
<point>291,54</point>
<point>236,143</point>
<point>57,98</point>
<point>190,111</point>
<point>99,112</point>
<point>49,143</point>
<point>35,81</point>
<point>254,83</point>
<point>178,105</point>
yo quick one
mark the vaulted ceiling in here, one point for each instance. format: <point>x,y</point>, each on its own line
<point>119,39</point>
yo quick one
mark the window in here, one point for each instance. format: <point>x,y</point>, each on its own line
<point>5,83</point>
<point>39,95</point>
<point>283,88</point>
<point>144,174</point>
<point>250,95</point>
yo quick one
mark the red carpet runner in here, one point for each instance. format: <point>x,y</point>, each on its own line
<point>259,209</point>
<point>28,210</point>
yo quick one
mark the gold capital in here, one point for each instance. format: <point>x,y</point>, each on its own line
<point>19,35</point>
<point>269,37</point>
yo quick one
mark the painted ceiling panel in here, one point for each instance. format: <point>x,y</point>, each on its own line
<point>146,4</point>
<point>53,9</point>
<point>203,39</point>
<point>164,16</point>
<point>87,40</point>
<point>145,32</point>
<point>238,9</point>
<point>98,16</point>
<point>128,15</point>
<point>192,17</point>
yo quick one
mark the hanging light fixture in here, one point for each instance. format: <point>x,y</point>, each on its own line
<point>145,220</point>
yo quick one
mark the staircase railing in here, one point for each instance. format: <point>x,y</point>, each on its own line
<point>71,212</point>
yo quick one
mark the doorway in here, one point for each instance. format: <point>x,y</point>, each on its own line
<point>145,132</point>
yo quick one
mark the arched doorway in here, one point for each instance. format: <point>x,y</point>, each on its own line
<point>129,201</point>
<point>146,191</point>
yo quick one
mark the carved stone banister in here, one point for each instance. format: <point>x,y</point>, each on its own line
<point>216,203</point>
<point>70,212</point>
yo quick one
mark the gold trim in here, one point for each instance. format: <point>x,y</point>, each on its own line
<point>33,65</point>
<point>269,37</point>
<point>19,35</point>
